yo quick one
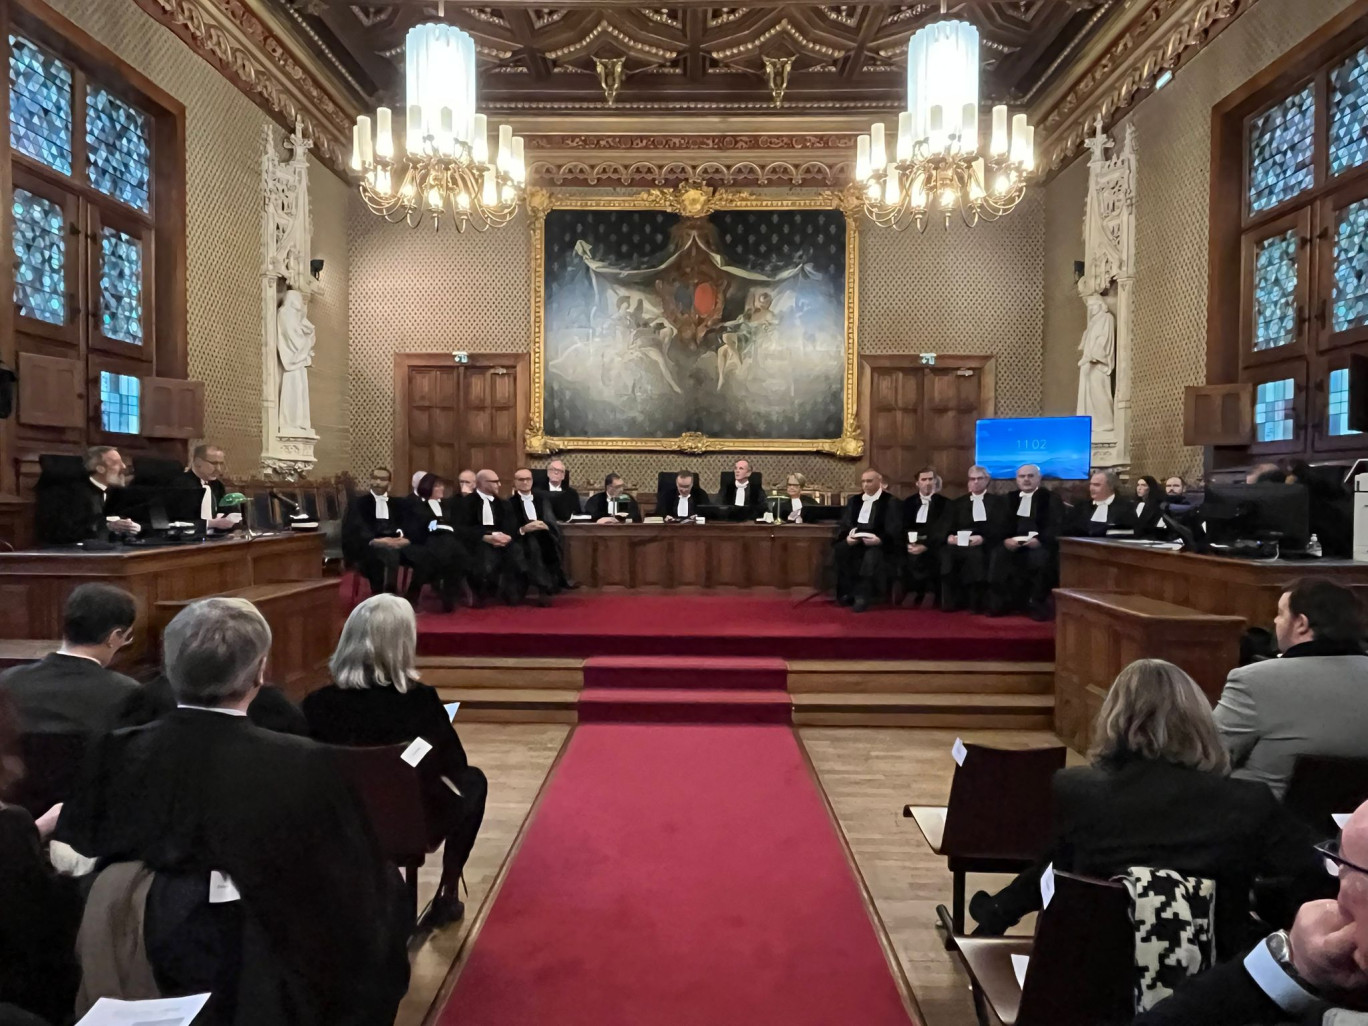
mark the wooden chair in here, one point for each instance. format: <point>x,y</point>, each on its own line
<point>51,762</point>
<point>1322,785</point>
<point>998,818</point>
<point>392,792</point>
<point>1082,968</point>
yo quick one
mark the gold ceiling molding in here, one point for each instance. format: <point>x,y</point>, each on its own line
<point>286,84</point>
<point>1163,34</point>
<point>711,172</point>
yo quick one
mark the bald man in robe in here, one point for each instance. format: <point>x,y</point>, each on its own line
<point>488,527</point>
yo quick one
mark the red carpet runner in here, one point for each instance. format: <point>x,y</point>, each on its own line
<point>678,876</point>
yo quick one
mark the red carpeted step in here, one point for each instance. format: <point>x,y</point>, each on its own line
<point>701,672</point>
<point>683,705</point>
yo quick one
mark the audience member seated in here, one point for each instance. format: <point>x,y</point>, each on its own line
<point>790,508</point>
<point>440,558</point>
<point>270,709</point>
<point>488,527</point>
<point>565,501</point>
<point>611,506</point>
<point>1023,570</point>
<point>1156,795</point>
<point>1177,501</point>
<point>313,929</point>
<point>1316,972</point>
<point>1106,511</point>
<point>538,538</point>
<point>465,481</point>
<point>73,691</point>
<point>973,527</point>
<point>683,502</point>
<point>867,544</point>
<point>376,699</point>
<point>39,910</point>
<point>372,534</point>
<point>1309,702</point>
<point>744,496</point>
<point>85,508</point>
<point>204,476</point>
<point>923,516</point>
<point>1149,506</point>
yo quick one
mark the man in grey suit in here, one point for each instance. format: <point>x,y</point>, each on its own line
<point>1312,700</point>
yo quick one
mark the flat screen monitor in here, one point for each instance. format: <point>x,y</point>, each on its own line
<point>1248,511</point>
<point>1060,446</point>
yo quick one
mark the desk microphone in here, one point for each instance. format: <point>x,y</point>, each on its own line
<point>289,504</point>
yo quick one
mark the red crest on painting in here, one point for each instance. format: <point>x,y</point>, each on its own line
<point>705,298</point>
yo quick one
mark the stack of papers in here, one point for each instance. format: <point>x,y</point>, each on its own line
<point>179,1011</point>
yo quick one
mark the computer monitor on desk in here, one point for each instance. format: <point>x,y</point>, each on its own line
<point>1246,512</point>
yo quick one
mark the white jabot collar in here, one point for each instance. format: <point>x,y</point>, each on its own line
<point>101,486</point>
<point>554,488</point>
<point>871,498</point>
<point>77,655</point>
<point>210,708</point>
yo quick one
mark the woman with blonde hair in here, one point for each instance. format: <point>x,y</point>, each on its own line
<point>1157,795</point>
<point>790,508</point>
<point>376,699</point>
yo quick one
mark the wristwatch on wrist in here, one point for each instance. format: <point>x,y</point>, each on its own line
<point>1280,947</point>
<point>1270,965</point>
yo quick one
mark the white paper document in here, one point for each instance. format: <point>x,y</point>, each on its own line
<point>451,709</point>
<point>414,753</point>
<point>1019,964</point>
<point>958,752</point>
<point>1047,886</point>
<point>158,1012</point>
<point>222,889</point>
<point>912,537</point>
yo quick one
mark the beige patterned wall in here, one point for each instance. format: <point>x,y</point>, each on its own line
<point>223,196</point>
<point>1173,140</point>
<point>965,292</point>
<point>328,379</point>
<point>1064,313</point>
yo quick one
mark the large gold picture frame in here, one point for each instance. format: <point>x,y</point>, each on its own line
<point>691,200</point>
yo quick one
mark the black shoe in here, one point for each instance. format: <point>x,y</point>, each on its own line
<point>844,600</point>
<point>570,584</point>
<point>444,910</point>
<point>917,597</point>
<point>859,605</point>
<point>984,911</point>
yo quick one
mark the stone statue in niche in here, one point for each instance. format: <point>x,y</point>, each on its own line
<point>295,344</point>
<point>1096,364</point>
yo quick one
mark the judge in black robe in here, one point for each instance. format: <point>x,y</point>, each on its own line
<point>1149,508</point>
<point>565,501</point>
<point>1106,511</point>
<point>744,495</point>
<point>922,514</point>
<point>604,506</point>
<point>486,525</point>
<point>683,502</point>
<point>204,478</point>
<point>316,934</point>
<point>431,526</point>
<point>867,544</point>
<point>964,568</point>
<point>1024,566</point>
<point>76,509</point>
<point>375,543</point>
<point>538,538</point>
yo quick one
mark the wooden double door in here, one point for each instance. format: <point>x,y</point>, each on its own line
<point>451,416</point>
<point>917,415</point>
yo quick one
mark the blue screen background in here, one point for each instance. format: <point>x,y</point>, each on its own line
<point>1060,446</point>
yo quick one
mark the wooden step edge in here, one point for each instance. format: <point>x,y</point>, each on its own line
<point>477,662</point>
<point>915,666</point>
<point>963,720</point>
<point>916,702</point>
<point>509,698</point>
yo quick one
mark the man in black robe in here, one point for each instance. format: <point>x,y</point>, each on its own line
<point>973,526</point>
<point>744,497</point>
<point>922,514</point>
<point>486,525</point>
<point>79,509</point>
<point>1023,569</point>
<point>538,537</point>
<point>867,544</point>
<point>683,502</point>
<point>372,534</point>
<point>611,506</point>
<point>565,501</point>
<point>1106,511</point>
<point>270,890</point>
<point>205,476</point>
<point>431,523</point>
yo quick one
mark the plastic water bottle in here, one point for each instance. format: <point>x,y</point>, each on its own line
<point>1313,547</point>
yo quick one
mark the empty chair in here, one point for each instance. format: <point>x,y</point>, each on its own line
<point>1323,785</point>
<point>1082,961</point>
<point>998,818</point>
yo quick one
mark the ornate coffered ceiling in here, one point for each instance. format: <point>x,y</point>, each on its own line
<point>810,58</point>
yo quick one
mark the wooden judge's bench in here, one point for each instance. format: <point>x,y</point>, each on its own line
<point>282,574</point>
<point>1120,601</point>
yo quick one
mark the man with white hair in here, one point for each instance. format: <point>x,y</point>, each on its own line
<point>974,526</point>
<point>1105,511</point>
<point>1024,567</point>
<point>82,508</point>
<point>1317,972</point>
<point>268,888</point>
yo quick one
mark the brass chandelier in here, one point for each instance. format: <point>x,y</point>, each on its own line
<point>938,166</point>
<point>445,170</point>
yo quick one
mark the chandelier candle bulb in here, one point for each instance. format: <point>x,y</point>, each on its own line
<point>935,125</point>
<point>363,125</point>
<point>505,158</point>
<point>489,194</point>
<point>356,146</point>
<point>917,194</point>
<point>905,144</point>
<point>1018,138</point>
<point>479,146</point>
<point>413,132</point>
<point>976,192</point>
<point>519,168</point>
<point>878,156</point>
<point>1028,156</point>
<point>998,146</point>
<point>384,134</point>
<point>969,128</point>
<point>862,162</point>
<point>892,193</point>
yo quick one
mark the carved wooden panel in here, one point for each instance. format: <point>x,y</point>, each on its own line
<point>52,391</point>
<point>172,408</point>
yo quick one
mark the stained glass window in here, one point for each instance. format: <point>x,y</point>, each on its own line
<point>1273,406</point>
<point>1339,403</point>
<point>40,105</point>
<point>119,395</point>
<point>1349,303</point>
<point>1281,151</point>
<point>1275,291</point>
<point>121,282</point>
<point>39,258</point>
<point>1349,113</point>
<point>117,142</point>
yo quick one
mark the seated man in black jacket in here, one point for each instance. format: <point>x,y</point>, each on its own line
<point>565,501</point>
<point>487,526</point>
<point>867,544</point>
<point>431,525</point>
<point>1024,567</point>
<point>372,533</point>
<point>538,537</point>
<point>205,476</point>
<point>921,516</point>
<point>611,506</point>
<point>1106,511</point>
<point>744,498</point>
<point>77,510</point>
<point>974,525</point>
<point>683,502</point>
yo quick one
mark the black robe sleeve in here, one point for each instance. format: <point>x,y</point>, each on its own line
<point>67,512</point>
